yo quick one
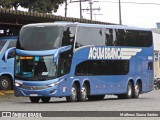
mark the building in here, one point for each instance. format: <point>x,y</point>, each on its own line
<point>156,42</point>
<point>158,25</point>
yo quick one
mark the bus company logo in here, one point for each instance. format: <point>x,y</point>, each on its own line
<point>33,88</point>
<point>112,53</point>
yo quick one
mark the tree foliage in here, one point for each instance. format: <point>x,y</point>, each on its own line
<point>41,6</point>
<point>9,4</point>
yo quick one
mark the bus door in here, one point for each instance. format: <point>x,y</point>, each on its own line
<point>65,58</point>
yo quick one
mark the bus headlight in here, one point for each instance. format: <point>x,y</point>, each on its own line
<point>18,83</point>
<point>55,83</point>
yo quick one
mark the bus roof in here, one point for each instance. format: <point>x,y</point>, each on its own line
<point>88,25</point>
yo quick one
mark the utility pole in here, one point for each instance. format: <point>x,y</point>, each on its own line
<point>120,19</point>
<point>95,14</point>
<point>80,6</point>
<point>91,9</point>
<point>66,8</point>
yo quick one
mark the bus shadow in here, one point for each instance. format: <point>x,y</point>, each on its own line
<point>105,99</point>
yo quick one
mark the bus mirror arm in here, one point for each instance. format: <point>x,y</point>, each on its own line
<point>7,53</point>
<point>60,50</point>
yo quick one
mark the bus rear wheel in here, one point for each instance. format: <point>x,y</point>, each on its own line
<point>5,83</point>
<point>136,91</point>
<point>45,99</point>
<point>73,96</point>
<point>34,99</point>
<point>82,96</point>
<point>129,93</point>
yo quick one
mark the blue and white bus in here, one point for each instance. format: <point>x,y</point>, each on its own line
<point>82,61</point>
<point>7,69</point>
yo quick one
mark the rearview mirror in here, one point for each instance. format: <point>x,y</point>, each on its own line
<point>60,50</point>
<point>7,53</point>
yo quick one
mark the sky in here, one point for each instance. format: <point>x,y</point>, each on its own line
<point>139,15</point>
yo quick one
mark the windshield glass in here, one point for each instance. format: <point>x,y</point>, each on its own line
<point>40,38</point>
<point>35,68</point>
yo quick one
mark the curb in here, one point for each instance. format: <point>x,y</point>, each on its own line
<point>5,92</point>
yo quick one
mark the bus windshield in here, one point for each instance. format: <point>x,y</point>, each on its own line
<point>40,38</point>
<point>35,68</point>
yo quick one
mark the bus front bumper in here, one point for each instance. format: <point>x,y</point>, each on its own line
<point>41,89</point>
<point>52,91</point>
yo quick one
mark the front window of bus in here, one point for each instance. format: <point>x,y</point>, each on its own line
<point>35,68</point>
<point>40,38</point>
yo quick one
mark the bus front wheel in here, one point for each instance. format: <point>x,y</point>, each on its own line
<point>73,95</point>
<point>34,99</point>
<point>5,83</point>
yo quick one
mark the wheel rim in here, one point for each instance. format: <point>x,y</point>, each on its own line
<point>84,92</point>
<point>74,92</point>
<point>137,89</point>
<point>129,90</point>
<point>5,83</point>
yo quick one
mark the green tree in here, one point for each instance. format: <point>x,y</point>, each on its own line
<point>10,4</point>
<point>41,6</point>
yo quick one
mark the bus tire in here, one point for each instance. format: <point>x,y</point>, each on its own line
<point>96,97</point>
<point>34,99</point>
<point>73,96</point>
<point>82,95</point>
<point>129,93</point>
<point>5,83</point>
<point>136,91</point>
<point>45,99</point>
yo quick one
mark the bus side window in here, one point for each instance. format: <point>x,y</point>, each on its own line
<point>82,37</point>
<point>68,36</point>
<point>11,54</point>
<point>2,43</point>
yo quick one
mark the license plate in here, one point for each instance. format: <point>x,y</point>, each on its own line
<point>33,94</point>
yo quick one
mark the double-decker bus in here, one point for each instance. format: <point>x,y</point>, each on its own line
<point>7,69</point>
<point>82,61</point>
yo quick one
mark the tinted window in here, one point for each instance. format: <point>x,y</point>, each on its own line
<point>97,36</point>
<point>83,37</point>
<point>121,37</point>
<point>11,44</point>
<point>68,36</point>
<point>90,36</point>
<point>103,67</point>
<point>40,38</point>
<point>2,43</point>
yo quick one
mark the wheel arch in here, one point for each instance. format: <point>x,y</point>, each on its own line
<point>139,81</point>
<point>132,81</point>
<point>77,84</point>
<point>88,86</point>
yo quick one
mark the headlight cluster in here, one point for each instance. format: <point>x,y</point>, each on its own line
<point>55,83</point>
